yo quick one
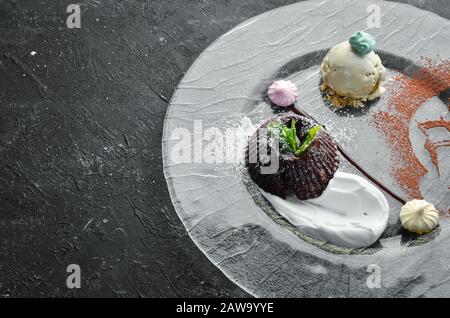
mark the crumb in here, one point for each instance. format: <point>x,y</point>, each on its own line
<point>340,101</point>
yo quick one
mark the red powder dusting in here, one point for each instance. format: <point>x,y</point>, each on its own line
<point>430,145</point>
<point>409,93</point>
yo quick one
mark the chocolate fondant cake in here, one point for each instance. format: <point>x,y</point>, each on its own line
<point>305,173</point>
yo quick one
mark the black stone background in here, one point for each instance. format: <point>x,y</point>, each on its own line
<point>81,177</point>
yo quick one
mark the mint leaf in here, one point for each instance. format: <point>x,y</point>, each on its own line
<point>290,134</point>
<point>277,130</point>
<point>310,135</point>
<point>287,137</point>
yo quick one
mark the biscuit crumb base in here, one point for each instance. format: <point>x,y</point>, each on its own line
<point>340,101</point>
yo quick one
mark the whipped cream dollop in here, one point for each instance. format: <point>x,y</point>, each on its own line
<point>282,93</point>
<point>351,212</point>
<point>362,42</point>
<point>419,216</point>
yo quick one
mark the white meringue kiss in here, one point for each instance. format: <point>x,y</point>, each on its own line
<point>282,93</point>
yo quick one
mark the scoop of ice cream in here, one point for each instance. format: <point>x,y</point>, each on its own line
<point>282,93</point>
<point>352,74</point>
<point>419,216</point>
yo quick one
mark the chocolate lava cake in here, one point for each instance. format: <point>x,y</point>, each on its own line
<point>306,174</point>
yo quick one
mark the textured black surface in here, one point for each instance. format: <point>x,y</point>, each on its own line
<point>81,121</point>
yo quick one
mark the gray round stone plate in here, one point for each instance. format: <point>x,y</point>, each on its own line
<point>222,210</point>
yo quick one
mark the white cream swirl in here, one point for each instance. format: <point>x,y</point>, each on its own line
<point>419,216</point>
<point>282,93</point>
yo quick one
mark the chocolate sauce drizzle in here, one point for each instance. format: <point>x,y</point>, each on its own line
<point>349,159</point>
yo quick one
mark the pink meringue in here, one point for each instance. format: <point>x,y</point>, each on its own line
<point>282,93</point>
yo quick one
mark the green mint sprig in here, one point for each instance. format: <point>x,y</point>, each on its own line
<point>287,137</point>
<point>310,135</point>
